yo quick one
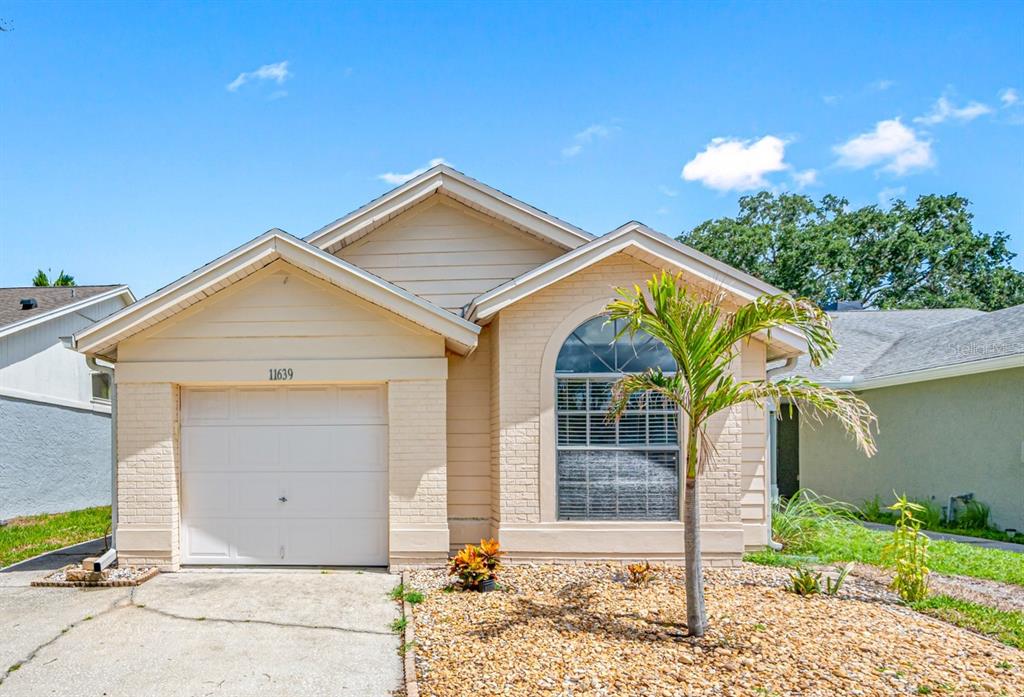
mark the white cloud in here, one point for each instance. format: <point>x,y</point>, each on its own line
<point>397,178</point>
<point>881,85</point>
<point>894,146</point>
<point>830,99</point>
<point>886,196</point>
<point>278,72</point>
<point>668,191</point>
<point>587,136</point>
<point>1009,97</point>
<point>738,165</point>
<point>808,177</point>
<point>944,110</point>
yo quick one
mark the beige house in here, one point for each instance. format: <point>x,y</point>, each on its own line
<point>426,371</point>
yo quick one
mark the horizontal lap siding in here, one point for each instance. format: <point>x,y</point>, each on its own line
<point>446,253</point>
<point>282,313</point>
<point>469,447</point>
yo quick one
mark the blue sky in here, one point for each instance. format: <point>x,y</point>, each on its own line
<point>142,140</point>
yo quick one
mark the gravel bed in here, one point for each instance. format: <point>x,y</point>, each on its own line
<point>114,576</point>
<point>1002,596</point>
<point>582,630</point>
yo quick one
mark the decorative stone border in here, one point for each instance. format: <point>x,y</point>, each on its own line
<point>45,583</point>
<point>412,688</point>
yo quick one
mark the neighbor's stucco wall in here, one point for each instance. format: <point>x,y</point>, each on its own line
<point>447,253</point>
<point>936,439</point>
<point>525,345</point>
<point>52,458</point>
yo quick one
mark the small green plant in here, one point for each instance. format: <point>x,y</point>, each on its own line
<point>799,521</point>
<point>1004,665</point>
<point>397,592</point>
<point>907,553</point>
<point>873,511</point>
<point>832,585</point>
<point>640,574</point>
<point>409,595</point>
<point>413,597</point>
<point>804,582</point>
<point>406,648</point>
<point>399,624</point>
<point>924,690</point>
<point>974,516</point>
<point>930,515</point>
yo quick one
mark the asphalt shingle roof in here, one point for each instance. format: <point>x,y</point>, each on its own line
<point>48,299</point>
<point>877,343</point>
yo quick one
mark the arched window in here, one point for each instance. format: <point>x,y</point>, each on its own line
<point>607,470</point>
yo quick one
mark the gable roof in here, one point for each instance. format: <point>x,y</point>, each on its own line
<point>456,185</point>
<point>879,348</point>
<point>102,338</point>
<point>640,241</point>
<point>51,302</point>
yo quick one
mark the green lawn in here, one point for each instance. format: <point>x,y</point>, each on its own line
<point>28,536</point>
<point>1007,627</point>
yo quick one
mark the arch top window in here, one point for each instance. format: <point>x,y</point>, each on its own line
<point>593,348</point>
<point>607,470</point>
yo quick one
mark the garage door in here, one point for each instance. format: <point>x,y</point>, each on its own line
<point>284,476</point>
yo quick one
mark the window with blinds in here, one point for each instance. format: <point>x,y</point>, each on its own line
<point>608,470</point>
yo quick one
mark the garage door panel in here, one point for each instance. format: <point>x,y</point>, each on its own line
<point>322,448</point>
<point>335,495</point>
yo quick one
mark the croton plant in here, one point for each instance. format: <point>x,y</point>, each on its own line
<point>475,564</point>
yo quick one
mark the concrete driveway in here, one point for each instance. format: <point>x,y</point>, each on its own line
<point>246,632</point>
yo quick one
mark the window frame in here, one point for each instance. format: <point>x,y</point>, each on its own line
<point>588,412</point>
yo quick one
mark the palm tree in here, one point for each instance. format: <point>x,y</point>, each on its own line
<point>63,280</point>
<point>704,338</point>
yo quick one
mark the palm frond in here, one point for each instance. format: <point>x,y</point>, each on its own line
<point>817,402</point>
<point>770,312</point>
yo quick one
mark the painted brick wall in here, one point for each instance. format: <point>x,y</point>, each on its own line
<point>417,453</point>
<point>518,347</point>
<point>149,462</point>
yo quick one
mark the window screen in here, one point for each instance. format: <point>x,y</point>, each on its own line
<point>607,470</point>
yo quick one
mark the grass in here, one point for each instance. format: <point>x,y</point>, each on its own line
<point>822,530</point>
<point>28,536</point>
<point>1007,627</point>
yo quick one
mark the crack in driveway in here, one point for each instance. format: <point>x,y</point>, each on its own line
<point>116,605</point>
<point>272,623</point>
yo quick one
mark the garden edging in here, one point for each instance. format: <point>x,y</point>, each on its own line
<point>408,644</point>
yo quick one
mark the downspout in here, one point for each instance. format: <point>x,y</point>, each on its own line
<point>773,458</point>
<point>91,362</point>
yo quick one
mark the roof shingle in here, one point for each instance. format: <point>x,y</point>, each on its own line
<point>48,299</point>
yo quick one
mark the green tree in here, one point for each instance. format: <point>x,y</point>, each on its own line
<point>42,280</point>
<point>705,339</point>
<point>925,255</point>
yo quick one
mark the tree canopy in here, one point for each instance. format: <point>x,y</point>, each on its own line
<point>926,255</point>
<point>42,280</point>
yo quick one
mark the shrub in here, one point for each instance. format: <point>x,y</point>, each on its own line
<point>475,564</point>
<point>873,511</point>
<point>797,522</point>
<point>640,574</point>
<point>907,552</point>
<point>929,515</point>
<point>804,582</point>
<point>974,516</point>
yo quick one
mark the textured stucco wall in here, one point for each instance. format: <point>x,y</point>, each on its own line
<point>52,458</point>
<point>936,438</point>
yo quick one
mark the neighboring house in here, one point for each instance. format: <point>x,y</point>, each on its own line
<point>54,410</point>
<point>948,389</point>
<point>423,372</point>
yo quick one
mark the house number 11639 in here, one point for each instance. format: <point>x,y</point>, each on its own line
<point>281,374</point>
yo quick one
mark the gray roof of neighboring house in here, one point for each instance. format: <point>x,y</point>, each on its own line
<point>877,343</point>
<point>48,299</point>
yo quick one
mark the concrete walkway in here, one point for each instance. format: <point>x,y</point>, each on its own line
<point>247,632</point>
<point>976,541</point>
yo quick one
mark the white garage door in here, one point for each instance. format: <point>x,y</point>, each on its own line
<point>284,475</point>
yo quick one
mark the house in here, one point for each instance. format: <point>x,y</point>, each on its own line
<point>948,389</point>
<point>428,370</point>
<point>54,409</point>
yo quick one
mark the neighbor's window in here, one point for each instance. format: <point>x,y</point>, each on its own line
<point>101,386</point>
<point>606,470</point>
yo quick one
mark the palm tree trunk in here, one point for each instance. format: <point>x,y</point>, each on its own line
<point>695,616</point>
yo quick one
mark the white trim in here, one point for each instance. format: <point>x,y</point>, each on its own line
<point>942,372</point>
<point>99,407</point>
<point>66,309</point>
<point>631,236</point>
<point>444,179</point>
<point>307,371</point>
<point>460,334</point>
